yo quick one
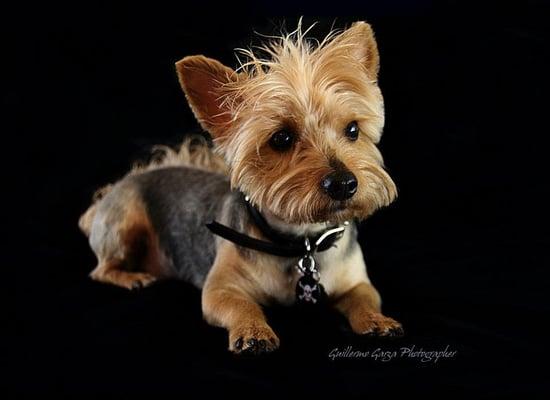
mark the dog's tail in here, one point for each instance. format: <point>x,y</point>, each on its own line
<point>195,151</point>
<point>86,219</point>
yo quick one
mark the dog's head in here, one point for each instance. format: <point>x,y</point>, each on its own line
<point>298,129</point>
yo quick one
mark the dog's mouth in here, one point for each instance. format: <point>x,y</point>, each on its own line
<point>339,206</point>
<point>333,211</point>
<point>337,212</point>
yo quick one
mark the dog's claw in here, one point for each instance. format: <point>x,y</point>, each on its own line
<point>396,332</point>
<point>251,344</point>
<point>255,346</point>
<point>254,340</point>
<point>137,285</point>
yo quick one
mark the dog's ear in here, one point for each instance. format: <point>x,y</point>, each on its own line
<point>361,44</point>
<point>202,80</point>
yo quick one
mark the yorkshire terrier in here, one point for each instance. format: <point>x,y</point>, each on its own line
<point>266,215</point>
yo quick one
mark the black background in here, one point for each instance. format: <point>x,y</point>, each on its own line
<point>460,258</point>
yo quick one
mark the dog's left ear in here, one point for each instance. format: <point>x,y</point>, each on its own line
<point>202,80</point>
<point>361,44</point>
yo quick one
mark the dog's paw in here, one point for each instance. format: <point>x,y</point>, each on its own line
<point>252,339</point>
<point>375,324</point>
<point>140,280</point>
<point>128,280</point>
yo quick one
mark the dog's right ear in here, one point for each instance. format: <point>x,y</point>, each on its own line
<point>202,80</point>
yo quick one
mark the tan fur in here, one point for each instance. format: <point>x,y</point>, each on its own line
<point>230,299</point>
<point>193,152</point>
<point>113,272</point>
<point>86,219</point>
<point>136,260</point>
<point>201,79</point>
<point>361,305</point>
<point>314,90</point>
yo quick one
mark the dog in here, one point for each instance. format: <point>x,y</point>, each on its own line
<point>268,215</point>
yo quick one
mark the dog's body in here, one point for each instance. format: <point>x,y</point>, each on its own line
<point>151,224</point>
<point>178,202</point>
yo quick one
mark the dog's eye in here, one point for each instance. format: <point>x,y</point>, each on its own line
<point>352,130</point>
<point>282,140</point>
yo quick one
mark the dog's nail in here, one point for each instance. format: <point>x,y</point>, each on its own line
<point>398,331</point>
<point>262,345</point>
<point>137,285</point>
<point>251,344</point>
<point>239,343</point>
<point>374,332</point>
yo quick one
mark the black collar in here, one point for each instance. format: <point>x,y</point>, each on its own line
<point>280,244</point>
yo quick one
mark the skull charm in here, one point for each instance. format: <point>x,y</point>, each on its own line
<point>308,290</point>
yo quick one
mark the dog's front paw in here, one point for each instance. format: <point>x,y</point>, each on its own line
<point>252,339</point>
<point>375,324</point>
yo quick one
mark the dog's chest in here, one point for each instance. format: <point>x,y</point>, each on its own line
<point>279,277</point>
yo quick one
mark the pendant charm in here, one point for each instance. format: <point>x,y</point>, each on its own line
<point>308,290</point>
<point>306,265</point>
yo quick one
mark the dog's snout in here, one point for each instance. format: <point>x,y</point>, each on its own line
<point>339,185</point>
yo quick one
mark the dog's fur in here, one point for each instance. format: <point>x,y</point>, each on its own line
<point>151,224</point>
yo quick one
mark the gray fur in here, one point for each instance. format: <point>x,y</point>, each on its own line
<point>179,202</point>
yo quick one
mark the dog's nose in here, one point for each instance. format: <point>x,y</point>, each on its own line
<point>340,185</point>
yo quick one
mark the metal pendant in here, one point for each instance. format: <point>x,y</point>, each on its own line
<point>308,290</point>
<point>306,265</point>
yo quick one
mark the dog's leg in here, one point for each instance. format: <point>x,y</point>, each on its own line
<point>361,306</point>
<point>356,298</point>
<point>127,247</point>
<point>242,317</point>
<point>228,301</point>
